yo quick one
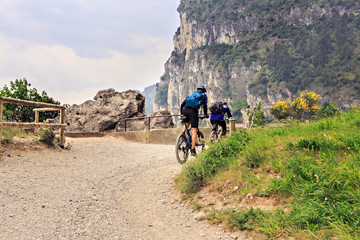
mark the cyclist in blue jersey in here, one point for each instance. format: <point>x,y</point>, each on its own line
<point>218,118</point>
<point>191,115</point>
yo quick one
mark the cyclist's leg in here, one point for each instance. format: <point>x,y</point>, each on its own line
<point>214,133</point>
<point>222,123</point>
<point>193,137</point>
<point>213,124</point>
<point>194,121</point>
<point>185,120</point>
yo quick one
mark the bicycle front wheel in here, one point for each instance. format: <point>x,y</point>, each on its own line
<point>200,142</point>
<point>181,149</point>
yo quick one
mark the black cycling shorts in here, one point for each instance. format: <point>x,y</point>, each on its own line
<point>192,116</point>
<point>221,123</point>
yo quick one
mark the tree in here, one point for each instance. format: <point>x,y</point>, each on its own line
<point>256,116</point>
<point>20,89</point>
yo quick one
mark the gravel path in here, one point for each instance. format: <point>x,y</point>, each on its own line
<point>103,188</point>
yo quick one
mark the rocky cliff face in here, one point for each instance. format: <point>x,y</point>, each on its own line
<point>192,62</point>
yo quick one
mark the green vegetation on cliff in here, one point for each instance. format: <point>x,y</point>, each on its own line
<point>311,171</point>
<point>220,11</point>
<point>324,54</point>
<point>162,90</point>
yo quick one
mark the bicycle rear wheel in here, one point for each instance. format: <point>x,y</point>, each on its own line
<point>200,142</point>
<point>213,136</point>
<point>220,133</point>
<point>181,149</point>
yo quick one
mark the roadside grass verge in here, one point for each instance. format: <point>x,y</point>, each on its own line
<point>313,169</point>
<point>8,134</point>
<point>216,158</point>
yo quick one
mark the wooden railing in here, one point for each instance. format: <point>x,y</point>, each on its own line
<point>36,125</point>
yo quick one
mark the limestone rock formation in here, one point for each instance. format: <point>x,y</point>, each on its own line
<point>161,122</point>
<point>104,112</point>
<point>197,58</point>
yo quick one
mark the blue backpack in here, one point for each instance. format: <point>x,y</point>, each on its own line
<point>195,99</point>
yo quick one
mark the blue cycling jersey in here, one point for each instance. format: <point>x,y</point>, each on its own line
<point>220,116</point>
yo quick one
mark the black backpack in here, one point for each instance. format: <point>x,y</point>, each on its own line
<point>216,108</point>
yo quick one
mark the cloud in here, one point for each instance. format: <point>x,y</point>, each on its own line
<point>59,70</point>
<point>74,48</point>
<point>89,26</point>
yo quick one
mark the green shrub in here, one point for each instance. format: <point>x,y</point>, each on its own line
<point>47,137</point>
<point>327,110</point>
<point>246,220</point>
<point>218,156</point>
<point>315,144</point>
<point>7,136</point>
<point>254,157</point>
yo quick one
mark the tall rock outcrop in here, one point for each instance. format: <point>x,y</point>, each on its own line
<point>105,112</point>
<point>245,51</point>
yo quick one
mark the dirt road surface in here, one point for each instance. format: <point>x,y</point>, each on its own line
<point>103,188</point>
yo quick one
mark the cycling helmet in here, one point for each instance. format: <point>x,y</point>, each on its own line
<point>202,88</point>
<point>224,101</point>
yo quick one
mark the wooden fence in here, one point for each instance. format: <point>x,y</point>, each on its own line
<point>232,121</point>
<point>36,125</point>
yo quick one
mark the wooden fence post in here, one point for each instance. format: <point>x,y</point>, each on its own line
<point>232,125</point>
<point>1,110</point>
<point>36,121</point>
<point>62,130</point>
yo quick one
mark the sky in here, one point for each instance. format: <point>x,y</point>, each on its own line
<point>73,48</point>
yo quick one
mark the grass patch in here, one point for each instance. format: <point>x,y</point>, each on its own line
<point>317,168</point>
<point>216,158</point>
<point>8,134</point>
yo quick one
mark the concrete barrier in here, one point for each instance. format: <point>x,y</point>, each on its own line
<point>83,134</point>
<point>157,136</point>
<point>154,136</point>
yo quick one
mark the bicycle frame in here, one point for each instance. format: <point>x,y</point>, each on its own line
<point>184,143</point>
<point>188,136</point>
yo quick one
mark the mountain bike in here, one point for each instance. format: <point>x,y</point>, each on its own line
<point>183,144</point>
<point>215,134</point>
